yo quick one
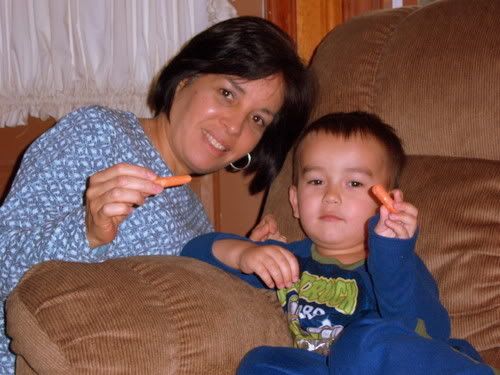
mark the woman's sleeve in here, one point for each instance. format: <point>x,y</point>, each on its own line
<point>42,217</point>
<point>404,288</point>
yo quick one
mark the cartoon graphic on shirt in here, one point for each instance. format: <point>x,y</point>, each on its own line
<point>308,299</point>
<point>339,293</point>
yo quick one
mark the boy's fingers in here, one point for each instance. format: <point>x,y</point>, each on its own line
<point>384,216</point>
<point>284,260</point>
<point>266,278</point>
<point>276,271</point>
<point>402,218</point>
<point>399,229</point>
<point>407,208</point>
<point>279,270</point>
<point>384,213</point>
<point>294,266</point>
<point>398,195</point>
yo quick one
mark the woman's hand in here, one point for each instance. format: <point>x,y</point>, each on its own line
<point>267,229</point>
<point>402,224</point>
<point>275,265</point>
<point>112,194</point>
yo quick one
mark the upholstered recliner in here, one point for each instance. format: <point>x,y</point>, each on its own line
<point>431,72</point>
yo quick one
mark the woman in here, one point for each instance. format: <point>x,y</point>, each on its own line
<point>86,189</point>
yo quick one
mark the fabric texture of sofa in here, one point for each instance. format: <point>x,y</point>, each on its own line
<point>432,72</point>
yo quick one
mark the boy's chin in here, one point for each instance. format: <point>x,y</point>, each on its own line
<point>338,245</point>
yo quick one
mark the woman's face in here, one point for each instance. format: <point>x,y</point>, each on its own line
<point>217,119</point>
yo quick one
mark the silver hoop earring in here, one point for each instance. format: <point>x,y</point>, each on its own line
<point>236,168</point>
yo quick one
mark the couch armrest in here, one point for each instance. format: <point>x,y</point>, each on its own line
<point>141,315</point>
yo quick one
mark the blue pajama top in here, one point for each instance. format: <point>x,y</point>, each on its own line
<point>393,283</point>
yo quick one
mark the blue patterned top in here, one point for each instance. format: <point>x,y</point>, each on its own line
<point>42,218</point>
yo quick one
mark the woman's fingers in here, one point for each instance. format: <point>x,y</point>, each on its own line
<point>117,210</point>
<point>260,232</point>
<point>124,182</point>
<point>111,196</point>
<point>266,229</point>
<point>271,222</point>
<point>123,169</point>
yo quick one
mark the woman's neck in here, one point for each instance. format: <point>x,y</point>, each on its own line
<point>156,129</point>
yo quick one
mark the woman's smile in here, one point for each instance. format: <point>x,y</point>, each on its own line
<point>214,142</point>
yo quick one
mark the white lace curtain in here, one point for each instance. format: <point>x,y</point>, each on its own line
<point>56,55</point>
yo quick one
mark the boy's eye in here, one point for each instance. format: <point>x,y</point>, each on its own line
<point>314,182</point>
<point>355,184</point>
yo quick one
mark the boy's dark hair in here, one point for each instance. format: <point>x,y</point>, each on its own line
<point>250,48</point>
<point>358,123</point>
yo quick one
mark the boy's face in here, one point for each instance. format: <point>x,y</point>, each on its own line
<point>332,198</point>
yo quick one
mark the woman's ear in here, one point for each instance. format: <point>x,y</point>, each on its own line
<point>292,197</point>
<point>183,83</point>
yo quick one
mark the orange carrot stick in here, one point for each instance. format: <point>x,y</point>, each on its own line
<point>173,180</point>
<point>384,197</point>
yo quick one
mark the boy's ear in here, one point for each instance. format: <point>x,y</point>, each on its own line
<point>292,197</point>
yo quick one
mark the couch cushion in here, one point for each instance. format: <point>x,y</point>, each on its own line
<point>139,315</point>
<point>427,71</point>
<point>459,204</point>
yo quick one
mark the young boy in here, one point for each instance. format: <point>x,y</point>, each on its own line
<point>357,297</point>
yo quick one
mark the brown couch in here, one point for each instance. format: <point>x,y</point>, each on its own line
<point>432,72</point>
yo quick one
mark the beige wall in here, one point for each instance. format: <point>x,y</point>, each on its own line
<point>13,142</point>
<point>249,7</point>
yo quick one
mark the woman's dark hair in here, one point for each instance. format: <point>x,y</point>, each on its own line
<point>251,48</point>
<point>358,123</point>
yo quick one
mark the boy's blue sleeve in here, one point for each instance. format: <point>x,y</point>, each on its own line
<point>404,287</point>
<point>200,248</point>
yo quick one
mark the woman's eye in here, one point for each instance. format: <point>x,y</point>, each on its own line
<point>259,121</point>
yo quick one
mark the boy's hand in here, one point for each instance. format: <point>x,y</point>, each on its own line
<point>402,224</point>
<point>275,265</point>
<point>267,229</point>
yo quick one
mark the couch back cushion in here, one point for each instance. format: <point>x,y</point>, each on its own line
<point>431,72</point>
